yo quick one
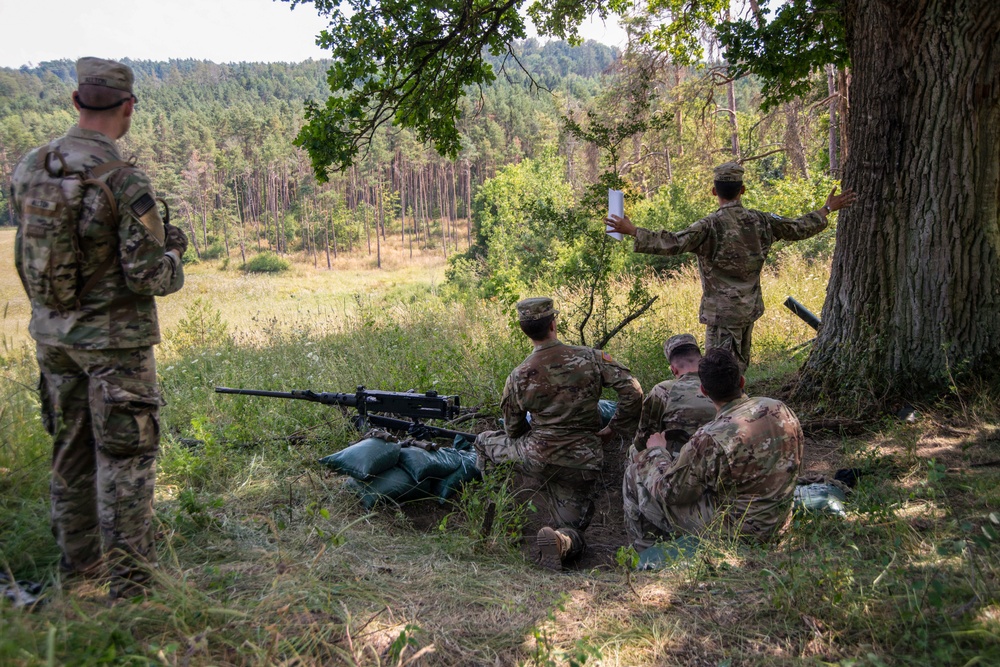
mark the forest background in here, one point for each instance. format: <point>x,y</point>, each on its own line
<point>217,141</point>
<point>267,559</point>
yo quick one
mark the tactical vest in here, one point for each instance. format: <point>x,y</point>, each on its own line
<point>52,204</point>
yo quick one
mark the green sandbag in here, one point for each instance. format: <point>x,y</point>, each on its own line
<point>467,472</point>
<point>607,410</point>
<point>392,484</point>
<point>422,464</point>
<point>364,459</point>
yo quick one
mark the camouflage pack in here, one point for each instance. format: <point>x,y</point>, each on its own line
<point>50,241</point>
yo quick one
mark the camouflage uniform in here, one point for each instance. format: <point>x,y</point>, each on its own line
<point>731,245</point>
<point>100,399</point>
<point>676,408</point>
<point>560,386</point>
<point>737,472</point>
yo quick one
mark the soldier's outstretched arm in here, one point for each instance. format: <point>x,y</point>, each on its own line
<point>811,223</point>
<point>672,243</point>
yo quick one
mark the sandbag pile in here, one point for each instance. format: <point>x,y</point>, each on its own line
<point>381,468</point>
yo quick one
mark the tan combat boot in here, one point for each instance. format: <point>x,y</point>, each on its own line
<point>557,546</point>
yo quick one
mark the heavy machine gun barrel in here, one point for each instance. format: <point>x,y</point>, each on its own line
<point>412,405</point>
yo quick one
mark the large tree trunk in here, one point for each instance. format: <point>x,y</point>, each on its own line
<point>914,294</point>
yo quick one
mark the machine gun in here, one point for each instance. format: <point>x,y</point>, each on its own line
<point>409,404</point>
<point>802,312</point>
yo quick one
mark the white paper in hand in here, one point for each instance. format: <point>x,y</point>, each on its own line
<point>616,206</point>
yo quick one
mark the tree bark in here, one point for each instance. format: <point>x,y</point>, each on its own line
<point>914,294</point>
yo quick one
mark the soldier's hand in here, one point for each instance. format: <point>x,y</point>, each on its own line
<point>843,200</point>
<point>620,224</point>
<point>605,434</point>
<point>656,440</point>
<point>175,239</point>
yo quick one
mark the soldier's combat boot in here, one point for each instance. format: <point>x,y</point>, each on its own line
<point>557,546</point>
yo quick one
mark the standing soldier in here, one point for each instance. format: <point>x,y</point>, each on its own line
<point>731,245</point>
<point>92,251</point>
<point>675,409</point>
<point>560,448</point>
<point>737,472</point>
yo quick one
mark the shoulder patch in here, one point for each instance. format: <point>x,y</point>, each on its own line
<point>143,204</point>
<point>606,356</point>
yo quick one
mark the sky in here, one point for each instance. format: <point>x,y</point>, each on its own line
<point>33,31</point>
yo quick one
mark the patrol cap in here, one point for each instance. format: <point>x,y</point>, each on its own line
<point>107,73</point>
<point>678,341</point>
<point>729,172</point>
<point>535,308</point>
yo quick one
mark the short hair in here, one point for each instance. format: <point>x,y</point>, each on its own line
<point>100,96</point>
<point>728,190</point>
<point>537,329</point>
<point>720,374</point>
<point>685,354</point>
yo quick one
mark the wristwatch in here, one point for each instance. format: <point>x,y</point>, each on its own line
<point>828,209</point>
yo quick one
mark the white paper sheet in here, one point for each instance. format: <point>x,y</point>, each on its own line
<point>616,206</point>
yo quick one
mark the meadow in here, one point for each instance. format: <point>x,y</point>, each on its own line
<point>265,557</point>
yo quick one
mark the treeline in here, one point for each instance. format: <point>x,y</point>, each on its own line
<point>217,141</point>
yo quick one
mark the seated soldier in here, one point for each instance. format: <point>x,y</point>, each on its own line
<point>674,408</point>
<point>560,448</point>
<point>737,472</point>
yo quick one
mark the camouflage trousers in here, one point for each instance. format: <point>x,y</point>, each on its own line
<point>647,520</point>
<point>567,493</point>
<point>102,409</point>
<point>737,340</point>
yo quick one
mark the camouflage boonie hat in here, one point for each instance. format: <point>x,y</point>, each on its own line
<point>107,73</point>
<point>535,308</point>
<point>678,341</point>
<point>729,172</point>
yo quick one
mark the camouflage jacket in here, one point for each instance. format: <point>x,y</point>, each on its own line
<point>731,245</point>
<point>560,385</point>
<point>676,408</point>
<point>746,460</point>
<point>119,312</point>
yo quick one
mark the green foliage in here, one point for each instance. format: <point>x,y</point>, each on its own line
<point>547,654</point>
<point>266,262</point>
<point>202,327</point>
<point>494,512</point>
<point>517,239</point>
<point>679,27</point>
<point>402,62</point>
<point>804,36</point>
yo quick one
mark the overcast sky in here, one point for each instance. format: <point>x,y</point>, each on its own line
<point>33,31</point>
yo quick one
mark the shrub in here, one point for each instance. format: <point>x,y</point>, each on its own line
<point>214,251</point>
<point>266,262</point>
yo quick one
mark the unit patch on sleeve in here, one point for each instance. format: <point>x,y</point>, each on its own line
<point>145,209</point>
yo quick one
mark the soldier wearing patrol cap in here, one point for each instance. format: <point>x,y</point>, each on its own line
<point>560,447</point>
<point>674,409</point>
<point>92,252</point>
<point>731,245</point>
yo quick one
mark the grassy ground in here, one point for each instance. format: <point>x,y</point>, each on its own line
<point>267,559</point>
